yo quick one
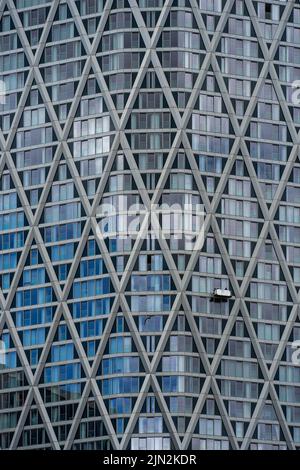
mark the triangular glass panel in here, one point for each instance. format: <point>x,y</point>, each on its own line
<point>15,228</point>
<point>34,323</point>
<point>62,79</point>
<point>34,434</point>
<point>12,376</point>
<point>240,59</point>
<point>63,365</point>
<point>120,343</point>
<point>64,208</point>
<point>240,371</point>
<point>265,294</point>
<point>289,213</point>
<point>90,137</point>
<point>268,140</point>
<point>211,151</point>
<point>152,291</point>
<point>90,316</point>
<point>210,433</point>
<point>286,62</point>
<point>151,15</point>
<point>33,22</point>
<point>91,13</point>
<point>34,146</point>
<point>180,354</point>
<point>61,192</point>
<point>239,202</point>
<point>211,14</point>
<point>91,433</point>
<point>33,305</point>
<point>91,281</point>
<point>268,16</point>
<point>180,32</point>
<point>210,310</point>
<point>181,212</point>
<point>288,373</point>
<point>122,362</point>
<point>150,111</point>
<point>120,213</point>
<point>12,83</point>
<point>150,426</point>
<point>120,51</point>
<point>268,434</point>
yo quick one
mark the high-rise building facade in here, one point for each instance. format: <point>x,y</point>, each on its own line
<point>114,342</point>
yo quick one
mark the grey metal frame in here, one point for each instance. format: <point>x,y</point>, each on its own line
<point>181,301</point>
